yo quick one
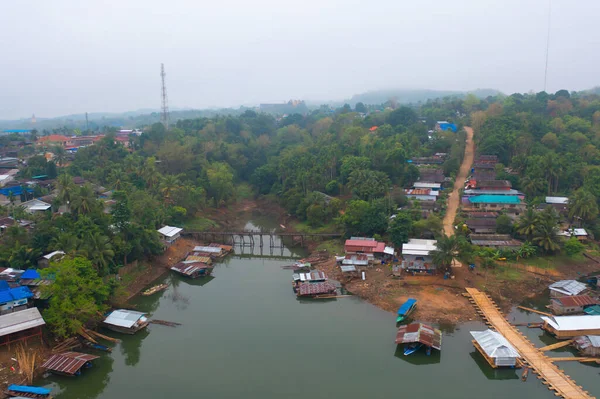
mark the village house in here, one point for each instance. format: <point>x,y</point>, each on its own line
<point>416,255</point>
<point>496,350</point>
<point>169,234</point>
<point>445,126</point>
<point>431,175</point>
<point>484,225</point>
<point>45,260</point>
<point>567,288</point>
<point>358,245</point>
<point>126,321</point>
<point>427,185</point>
<point>21,326</point>
<point>13,299</point>
<point>566,327</point>
<point>579,233</point>
<point>69,363</point>
<point>499,185</point>
<point>422,194</point>
<point>36,206</point>
<point>561,204</point>
<point>511,203</point>
<point>53,139</point>
<point>571,304</point>
<point>497,241</point>
<point>588,345</point>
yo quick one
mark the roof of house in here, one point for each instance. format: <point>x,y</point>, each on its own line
<point>68,362</point>
<point>493,183</point>
<point>354,242</point>
<point>419,332</point>
<point>426,185</point>
<point>471,191</point>
<point>576,300</point>
<point>568,287</point>
<point>494,240</point>
<point>123,318</point>
<point>486,222</point>
<point>494,344</point>
<point>53,138</point>
<point>211,250</point>
<point>19,321</point>
<point>36,205</point>
<point>53,254</point>
<point>495,199</point>
<point>30,274</point>
<point>169,231</point>
<point>579,232</point>
<point>316,288</point>
<point>356,260</point>
<point>189,267</point>
<point>422,191</point>
<point>417,246</point>
<point>570,323</point>
<point>347,268</point>
<point>585,341</point>
<point>15,294</point>
<point>557,200</point>
<point>481,215</point>
<point>380,248</point>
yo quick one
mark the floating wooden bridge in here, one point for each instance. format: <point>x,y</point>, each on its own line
<point>541,364</point>
<point>248,238</point>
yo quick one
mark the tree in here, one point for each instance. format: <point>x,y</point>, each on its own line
<point>430,227</point>
<point>526,250</point>
<point>100,252</point>
<point>546,235</point>
<point>220,180</point>
<point>527,223</point>
<point>404,116</point>
<point>369,184</point>
<point>77,295</point>
<point>573,247</point>
<point>504,225</point>
<point>400,228</point>
<point>447,250</point>
<point>583,206</point>
<point>66,190</point>
<point>360,107</point>
<point>60,155</point>
<point>121,211</point>
<point>364,218</point>
<point>84,200</point>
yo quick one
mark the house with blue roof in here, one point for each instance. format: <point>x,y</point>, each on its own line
<point>445,125</point>
<point>14,299</point>
<point>490,202</point>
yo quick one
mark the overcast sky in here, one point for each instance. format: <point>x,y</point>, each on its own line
<point>62,57</point>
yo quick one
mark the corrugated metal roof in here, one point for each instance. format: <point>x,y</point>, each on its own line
<point>486,222</point>
<point>576,300</point>
<point>361,243</point>
<point>389,250</point>
<point>573,323</point>
<point>426,185</point>
<point>169,231</point>
<point>316,288</point>
<point>53,254</point>
<point>19,321</point>
<point>190,267</point>
<point>557,200</point>
<point>123,318</point>
<point>68,362</point>
<point>419,332</point>
<point>495,199</point>
<point>348,268</point>
<point>417,246</point>
<point>494,344</point>
<point>14,294</point>
<point>568,287</point>
<point>211,250</point>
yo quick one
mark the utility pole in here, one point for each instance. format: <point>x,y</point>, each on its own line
<point>87,125</point>
<point>164,117</point>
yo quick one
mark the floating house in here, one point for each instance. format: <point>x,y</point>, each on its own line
<point>567,288</point>
<point>69,363</point>
<point>571,304</point>
<point>21,326</point>
<point>192,268</point>
<point>314,276</point>
<point>588,345</point>
<point>496,350</point>
<point>126,321</point>
<point>312,290</point>
<point>13,299</point>
<point>26,391</point>
<point>416,254</point>
<point>169,234</point>
<point>203,259</point>
<point>45,260</point>
<point>565,327</point>
<point>212,251</point>
<point>419,333</point>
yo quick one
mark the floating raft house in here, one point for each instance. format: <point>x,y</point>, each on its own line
<point>192,268</point>
<point>565,327</point>
<point>495,348</point>
<point>126,321</point>
<point>69,363</point>
<point>588,345</point>
<point>419,333</point>
<point>307,289</point>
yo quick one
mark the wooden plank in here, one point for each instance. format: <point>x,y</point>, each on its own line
<point>536,311</point>
<point>556,345</point>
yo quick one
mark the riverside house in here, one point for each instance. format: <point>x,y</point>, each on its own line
<point>416,255</point>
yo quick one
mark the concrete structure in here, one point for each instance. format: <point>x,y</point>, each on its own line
<point>416,254</point>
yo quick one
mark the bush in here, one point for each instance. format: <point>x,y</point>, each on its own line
<point>573,246</point>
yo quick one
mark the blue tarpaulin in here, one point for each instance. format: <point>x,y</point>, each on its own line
<point>16,191</point>
<point>14,294</point>
<point>30,274</point>
<point>406,306</point>
<point>4,286</point>
<point>28,389</point>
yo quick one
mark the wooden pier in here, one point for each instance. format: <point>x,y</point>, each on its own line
<point>248,238</point>
<point>539,363</point>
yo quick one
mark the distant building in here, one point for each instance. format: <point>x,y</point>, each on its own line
<point>416,254</point>
<point>571,304</point>
<point>567,288</point>
<point>53,139</point>
<point>45,260</point>
<point>445,125</point>
<point>169,234</point>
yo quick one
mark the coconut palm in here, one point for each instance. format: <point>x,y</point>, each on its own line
<point>527,223</point>
<point>66,189</point>
<point>583,206</point>
<point>66,242</point>
<point>447,250</point>
<point>168,184</point>
<point>116,179</point>
<point>60,155</point>
<point>546,236</point>
<point>84,200</point>
<point>100,251</point>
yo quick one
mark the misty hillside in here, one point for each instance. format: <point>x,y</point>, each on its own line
<point>413,96</point>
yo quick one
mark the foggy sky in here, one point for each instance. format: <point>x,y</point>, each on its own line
<point>62,57</point>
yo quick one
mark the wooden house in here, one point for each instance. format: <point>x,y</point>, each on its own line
<point>416,255</point>
<point>126,321</point>
<point>45,260</point>
<point>571,304</point>
<point>481,226</point>
<point>69,363</point>
<point>419,333</point>
<point>566,327</point>
<point>588,345</point>
<point>496,350</point>
<point>21,326</point>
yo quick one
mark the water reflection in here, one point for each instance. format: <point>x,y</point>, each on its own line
<point>420,357</point>
<point>89,384</point>
<point>131,346</point>
<point>490,372</point>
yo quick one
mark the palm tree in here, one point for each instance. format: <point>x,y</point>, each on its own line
<point>84,200</point>
<point>527,223</point>
<point>169,184</point>
<point>583,206</point>
<point>60,155</point>
<point>546,236</point>
<point>116,178</point>
<point>66,242</point>
<point>66,188</point>
<point>447,250</point>
<point>100,251</point>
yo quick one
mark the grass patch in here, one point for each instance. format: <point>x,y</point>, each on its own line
<point>243,191</point>
<point>200,223</point>
<point>508,273</point>
<point>332,246</point>
<point>550,262</point>
<point>304,227</point>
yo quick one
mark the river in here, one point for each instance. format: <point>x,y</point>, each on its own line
<point>245,335</point>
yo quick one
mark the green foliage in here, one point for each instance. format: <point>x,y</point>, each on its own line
<point>364,218</point>
<point>77,295</point>
<point>573,247</point>
<point>368,184</point>
<point>400,228</point>
<point>504,225</point>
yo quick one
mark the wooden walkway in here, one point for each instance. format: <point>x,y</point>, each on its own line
<point>542,365</point>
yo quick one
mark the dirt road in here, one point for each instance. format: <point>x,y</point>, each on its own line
<point>454,197</point>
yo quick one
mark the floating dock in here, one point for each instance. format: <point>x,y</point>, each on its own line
<point>542,365</point>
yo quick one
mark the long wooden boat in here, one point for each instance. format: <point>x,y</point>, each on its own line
<point>155,289</point>
<point>406,309</point>
<point>28,391</point>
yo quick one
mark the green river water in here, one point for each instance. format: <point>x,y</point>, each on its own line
<point>245,335</point>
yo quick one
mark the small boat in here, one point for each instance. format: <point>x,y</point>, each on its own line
<point>155,289</point>
<point>406,309</point>
<point>412,348</point>
<point>28,391</point>
<point>97,346</point>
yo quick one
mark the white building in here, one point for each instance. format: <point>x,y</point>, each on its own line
<point>567,288</point>
<point>416,254</point>
<point>35,205</point>
<point>169,234</point>
<point>495,348</point>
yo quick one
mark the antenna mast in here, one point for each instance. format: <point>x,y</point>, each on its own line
<point>164,117</point>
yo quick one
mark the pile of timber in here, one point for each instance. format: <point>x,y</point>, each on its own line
<point>67,345</point>
<point>165,323</point>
